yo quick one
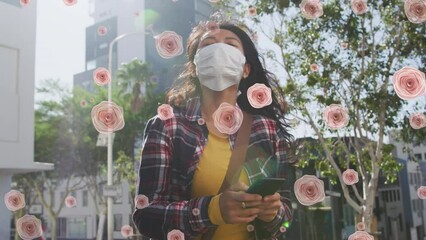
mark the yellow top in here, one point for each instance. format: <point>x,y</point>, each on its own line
<point>208,178</point>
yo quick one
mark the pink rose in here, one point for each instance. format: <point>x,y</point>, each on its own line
<point>227,118</point>
<point>141,201</point>
<point>175,235</point>
<point>201,121</point>
<point>107,117</point>
<point>360,226</point>
<point>344,45</point>
<point>212,26</point>
<point>29,227</point>
<point>24,2</point>
<point>195,211</point>
<point>168,44</point>
<point>251,11</point>
<point>314,67</point>
<point>70,2</point>
<point>259,95</point>
<point>336,116</point>
<point>421,192</point>
<point>102,30</point>
<point>415,10</point>
<point>409,83</point>
<point>360,235</point>
<point>83,103</point>
<point>14,200</point>
<point>311,9</point>
<point>283,229</point>
<point>359,6</point>
<point>250,228</point>
<point>70,202</point>
<point>417,120</point>
<point>101,76</point>
<point>309,190</point>
<point>165,111</point>
<point>126,231</point>
<point>350,177</point>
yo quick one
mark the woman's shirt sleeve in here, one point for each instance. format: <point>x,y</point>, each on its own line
<point>165,212</point>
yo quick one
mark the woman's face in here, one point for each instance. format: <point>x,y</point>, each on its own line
<point>221,36</point>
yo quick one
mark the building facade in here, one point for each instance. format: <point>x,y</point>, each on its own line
<point>17,80</point>
<point>411,177</point>
<point>138,22</point>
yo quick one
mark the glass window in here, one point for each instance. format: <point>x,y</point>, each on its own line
<point>85,198</point>
<point>118,222</point>
<point>61,227</point>
<point>76,227</point>
<point>418,156</point>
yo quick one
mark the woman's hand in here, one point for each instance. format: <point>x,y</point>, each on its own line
<point>269,207</point>
<point>236,206</point>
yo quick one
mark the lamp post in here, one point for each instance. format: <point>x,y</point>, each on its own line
<point>109,159</point>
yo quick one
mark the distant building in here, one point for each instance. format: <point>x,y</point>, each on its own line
<point>411,177</point>
<point>146,19</point>
<point>17,80</point>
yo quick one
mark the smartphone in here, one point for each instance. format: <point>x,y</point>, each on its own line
<point>266,186</point>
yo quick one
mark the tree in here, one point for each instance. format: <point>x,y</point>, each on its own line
<point>346,59</point>
<point>53,146</point>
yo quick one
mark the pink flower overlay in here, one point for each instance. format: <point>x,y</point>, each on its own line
<point>409,83</point>
<point>29,227</point>
<point>417,120</point>
<point>102,30</point>
<point>126,231</point>
<point>70,2</point>
<point>101,76</point>
<point>311,9</point>
<point>250,228</point>
<point>314,67</point>
<point>70,202</point>
<point>309,190</point>
<point>336,116</point>
<point>350,177</point>
<point>107,117</point>
<point>24,2</point>
<point>344,45</point>
<point>175,235</point>
<point>360,235</point>
<point>14,200</point>
<point>168,44</point>
<point>359,6</point>
<point>141,201</point>
<point>259,95</point>
<point>360,226</point>
<point>251,11</point>
<point>421,192</point>
<point>227,118</point>
<point>415,10</point>
<point>165,111</point>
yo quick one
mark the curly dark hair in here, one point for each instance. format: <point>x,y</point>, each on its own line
<point>187,84</point>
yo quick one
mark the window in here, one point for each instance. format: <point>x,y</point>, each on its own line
<point>118,222</point>
<point>76,227</point>
<point>85,199</point>
<point>61,227</point>
<point>418,156</point>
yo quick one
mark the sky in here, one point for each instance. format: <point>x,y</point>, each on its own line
<point>60,40</point>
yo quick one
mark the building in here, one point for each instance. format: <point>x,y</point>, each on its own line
<point>411,177</point>
<point>140,21</point>
<point>17,74</point>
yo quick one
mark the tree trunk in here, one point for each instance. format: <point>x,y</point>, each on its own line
<point>101,225</point>
<point>53,233</point>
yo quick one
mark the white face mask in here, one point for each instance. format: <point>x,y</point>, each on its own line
<point>219,66</point>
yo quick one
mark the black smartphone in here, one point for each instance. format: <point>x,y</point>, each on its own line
<point>266,186</point>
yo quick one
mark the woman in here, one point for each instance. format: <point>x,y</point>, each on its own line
<point>185,156</point>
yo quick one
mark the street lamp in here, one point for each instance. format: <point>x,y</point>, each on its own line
<point>110,139</point>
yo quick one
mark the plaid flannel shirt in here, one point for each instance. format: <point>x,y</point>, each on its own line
<point>170,154</point>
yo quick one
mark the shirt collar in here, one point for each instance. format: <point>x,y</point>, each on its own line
<point>193,109</point>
